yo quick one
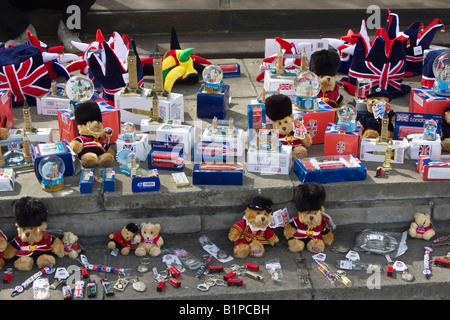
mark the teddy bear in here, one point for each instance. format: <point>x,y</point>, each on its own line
<point>92,143</point>
<point>311,227</point>
<point>3,246</point>
<point>325,64</point>
<point>252,232</point>
<point>421,227</point>
<point>279,110</point>
<point>4,133</point>
<point>148,240</point>
<point>33,245</point>
<point>122,239</point>
<point>445,130</point>
<point>71,246</point>
<point>377,105</point>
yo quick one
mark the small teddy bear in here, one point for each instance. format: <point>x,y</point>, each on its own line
<point>279,110</point>
<point>421,227</point>
<point>122,240</point>
<point>252,232</point>
<point>3,246</point>
<point>71,246</point>
<point>149,241</point>
<point>311,227</point>
<point>325,64</point>
<point>92,144</point>
<point>33,244</point>
<point>372,121</point>
<point>445,130</point>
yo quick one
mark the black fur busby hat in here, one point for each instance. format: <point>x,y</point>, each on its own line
<point>325,62</point>
<point>87,111</point>
<point>132,227</point>
<point>29,212</point>
<point>278,106</point>
<point>309,196</point>
<point>261,203</point>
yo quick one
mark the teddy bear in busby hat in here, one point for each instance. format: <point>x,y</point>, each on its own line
<point>325,64</point>
<point>279,110</point>
<point>311,228</point>
<point>92,143</point>
<point>33,244</point>
<point>377,107</point>
<point>252,232</point>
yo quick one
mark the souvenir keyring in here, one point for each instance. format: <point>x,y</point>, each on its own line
<point>144,265</point>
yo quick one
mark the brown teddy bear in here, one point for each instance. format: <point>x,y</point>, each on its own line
<point>371,121</point>
<point>122,239</point>
<point>311,226</point>
<point>33,245</point>
<point>279,110</point>
<point>252,232</point>
<point>421,227</point>
<point>3,246</point>
<point>149,241</point>
<point>445,130</point>
<point>71,246</point>
<point>325,64</point>
<point>4,133</point>
<point>92,144</point>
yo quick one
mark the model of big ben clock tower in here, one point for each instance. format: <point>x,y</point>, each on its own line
<point>158,87</point>
<point>132,87</point>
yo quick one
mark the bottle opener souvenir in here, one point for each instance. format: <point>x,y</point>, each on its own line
<point>302,270</point>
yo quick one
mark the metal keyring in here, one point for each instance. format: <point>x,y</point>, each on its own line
<point>145,261</point>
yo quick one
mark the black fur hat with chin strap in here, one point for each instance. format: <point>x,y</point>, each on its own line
<point>86,112</point>
<point>278,106</point>
<point>309,196</point>
<point>29,212</point>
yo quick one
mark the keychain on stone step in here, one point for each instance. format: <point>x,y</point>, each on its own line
<point>302,270</point>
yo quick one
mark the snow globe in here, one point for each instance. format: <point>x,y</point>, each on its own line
<point>346,118</point>
<point>51,169</point>
<point>429,130</point>
<point>307,87</point>
<point>213,97</point>
<point>441,70</point>
<point>128,132</point>
<point>213,76</point>
<point>79,89</point>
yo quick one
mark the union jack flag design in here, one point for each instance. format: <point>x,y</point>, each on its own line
<point>174,138</point>
<point>24,73</point>
<point>424,150</point>
<point>401,117</point>
<point>285,86</point>
<point>340,147</point>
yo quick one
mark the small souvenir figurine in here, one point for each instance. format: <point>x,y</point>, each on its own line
<point>429,130</point>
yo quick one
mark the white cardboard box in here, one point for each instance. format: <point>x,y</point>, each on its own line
<point>149,127</point>
<point>285,85</point>
<point>184,134</point>
<point>42,135</point>
<point>371,151</point>
<point>7,179</point>
<point>235,143</point>
<point>139,147</point>
<point>134,109</point>
<point>270,162</point>
<point>419,146</point>
<point>49,105</point>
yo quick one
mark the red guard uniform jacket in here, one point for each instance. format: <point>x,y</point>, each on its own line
<point>91,144</point>
<point>27,249</point>
<point>247,235</point>
<point>304,233</point>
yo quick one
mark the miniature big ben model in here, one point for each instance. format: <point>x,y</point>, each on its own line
<point>158,73</point>
<point>28,127</point>
<point>132,87</point>
<point>383,139</point>
<point>2,160</point>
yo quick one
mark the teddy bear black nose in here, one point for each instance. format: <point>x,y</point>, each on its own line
<point>311,218</point>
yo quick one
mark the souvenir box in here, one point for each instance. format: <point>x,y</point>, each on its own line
<point>110,119</point>
<point>230,70</point>
<point>145,184</point>
<point>150,126</point>
<point>407,123</point>
<point>177,133</point>
<point>134,109</point>
<point>235,139</point>
<point>6,111</point>
<point>109,180</point>
<point>218,174</point>
<point>420,147</point>
<point>86,180</point>
<point>316,122</point>
<point>256,118</point>
<point>371,151</point>
<point>7,179</point>
<point>270,162</point>
<point>166,156</point>
<point>210,151</point>
<point>341,143</point>
<point>326,169</point>
<point>60,149</point>
<point>49,104</point>
<point>210,105</point>
<point>41,135</point>
<point>274,83</point>
<point>139,147</point>
<point>426,101</point>
<point>433,170</point>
